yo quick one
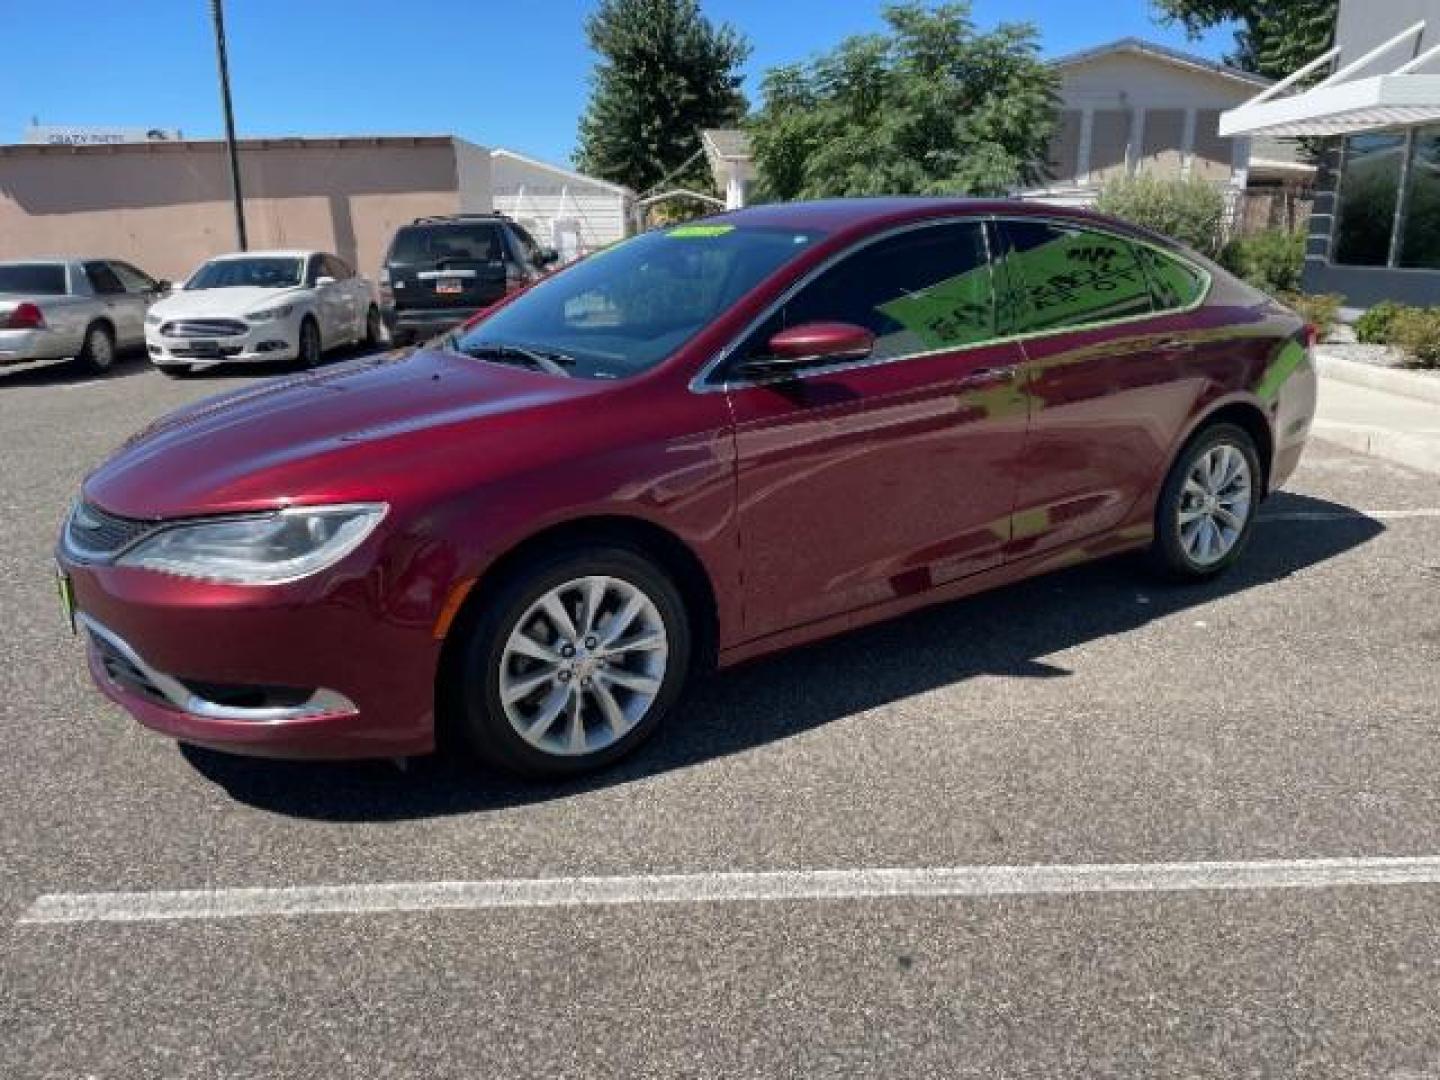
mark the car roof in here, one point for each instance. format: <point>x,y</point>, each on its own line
<point>862,215</point>
<point>281,253</point>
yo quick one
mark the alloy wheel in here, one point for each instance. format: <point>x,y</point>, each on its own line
<point>583,665</point>
<point>99,349</point>
<point>1215,504</point>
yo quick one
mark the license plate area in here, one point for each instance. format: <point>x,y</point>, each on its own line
<point>449,286</point>
<point>203,347</point>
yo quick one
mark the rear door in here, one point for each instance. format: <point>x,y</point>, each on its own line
<point>435,266</point>
<point>347,291</point>
<point>1109,375</point>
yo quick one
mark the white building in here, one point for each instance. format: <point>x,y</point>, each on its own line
<point>569,211</point>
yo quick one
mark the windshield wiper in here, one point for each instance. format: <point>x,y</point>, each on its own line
<point>546,360</point>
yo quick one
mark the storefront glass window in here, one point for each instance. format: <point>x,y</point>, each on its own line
<point>1369,190</point>
<point>1420,243</point>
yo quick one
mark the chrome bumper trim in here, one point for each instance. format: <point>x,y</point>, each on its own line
<point>320,703</point>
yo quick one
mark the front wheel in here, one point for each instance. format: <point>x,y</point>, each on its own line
<point>1207,506</point>
<point>97,353</point>
<point>573,662</point>
<point>308,354</point>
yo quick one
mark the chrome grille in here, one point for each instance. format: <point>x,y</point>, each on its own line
<point>192,328</point>
<point>93,534</point>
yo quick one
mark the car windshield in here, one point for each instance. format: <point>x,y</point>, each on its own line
<point>625,309</point>
<point>36,279</point>
<point>263,272</point>
<point>477,241</point>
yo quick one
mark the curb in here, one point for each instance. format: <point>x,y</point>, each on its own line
<point>1403,383</point>
<point>1416,451</point>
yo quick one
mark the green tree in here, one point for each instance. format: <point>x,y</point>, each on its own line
<point>1275,37</point>
<point>664,73</point>
<point>931,107</point>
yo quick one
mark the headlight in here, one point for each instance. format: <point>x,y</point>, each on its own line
<point>279,311</point>
<point>259,549</point>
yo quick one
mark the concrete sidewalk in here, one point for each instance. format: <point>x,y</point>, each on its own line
<point>1396,427</point>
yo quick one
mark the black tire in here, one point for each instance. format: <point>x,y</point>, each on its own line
<point>310,350</point>
<point>176,371</point>
<point>474,675</point>
<point>374,333</point>
<point>1169,553</point>
<point>97,352</point>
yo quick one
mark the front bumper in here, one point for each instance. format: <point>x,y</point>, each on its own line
<point>310,670</point>
<point>264,343</point>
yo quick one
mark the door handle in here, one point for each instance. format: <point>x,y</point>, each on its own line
<point>1175,345</point>
<point>989,376</point>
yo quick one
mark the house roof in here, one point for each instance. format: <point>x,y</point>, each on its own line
<point>1141,47</point>
<point>729,144</point>
<point>559,170</point>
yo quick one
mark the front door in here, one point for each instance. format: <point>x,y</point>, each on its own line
<point>865,481</point>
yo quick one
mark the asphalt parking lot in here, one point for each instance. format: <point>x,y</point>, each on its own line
<point>1288,712</point>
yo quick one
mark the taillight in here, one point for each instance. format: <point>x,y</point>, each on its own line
<point>26,316</point>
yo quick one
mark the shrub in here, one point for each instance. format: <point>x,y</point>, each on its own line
<point>1319,309</point>
<point>1373,328</point>
<point>1269,260</point>
<point>1417,332</point>
<point>1189,211</point>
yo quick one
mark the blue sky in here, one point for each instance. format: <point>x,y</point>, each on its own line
<point>497,72</point>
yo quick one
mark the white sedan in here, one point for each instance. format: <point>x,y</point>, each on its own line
<point>263,306</point>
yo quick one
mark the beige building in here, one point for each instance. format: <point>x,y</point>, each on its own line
<point>165,206</point>
<point>1133,106</point>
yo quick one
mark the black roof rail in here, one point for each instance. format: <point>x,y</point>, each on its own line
<point>431,219</point>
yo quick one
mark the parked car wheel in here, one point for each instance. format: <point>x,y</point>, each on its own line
<point>1206,509</point>
<point>573,662</point>
<point>310,350</point>
<point>374,331</point>
<point>97,353</point>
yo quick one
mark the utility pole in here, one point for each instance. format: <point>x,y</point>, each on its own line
<point>218,15</point>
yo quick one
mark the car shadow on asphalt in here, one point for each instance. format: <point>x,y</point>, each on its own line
<point>64,373</point>
<point>1008,632</point>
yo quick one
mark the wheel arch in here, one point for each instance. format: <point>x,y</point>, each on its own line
<point>1245,414</point>
<point>669,551</point>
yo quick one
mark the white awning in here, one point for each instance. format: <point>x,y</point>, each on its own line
<point>1341,104</point>
<point>1364,105</point>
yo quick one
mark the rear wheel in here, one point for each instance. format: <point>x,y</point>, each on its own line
<point>573,662</point>
<point>1207,506</point>
<point>97,352</point>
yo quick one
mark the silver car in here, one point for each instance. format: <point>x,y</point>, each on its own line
<point>88,309</point>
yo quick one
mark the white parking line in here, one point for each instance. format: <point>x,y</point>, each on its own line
<point>1348,515</point>
<point>711,888</point>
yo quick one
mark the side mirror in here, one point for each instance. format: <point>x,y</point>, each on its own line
<point>547,257</point>
<point>162,286</point>
<point>800,346</point>
<point>323,280</point>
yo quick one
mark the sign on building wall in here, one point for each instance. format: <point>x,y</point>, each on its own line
<point>53,135</point>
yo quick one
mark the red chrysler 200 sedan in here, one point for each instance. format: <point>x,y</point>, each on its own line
<point>707,443</point>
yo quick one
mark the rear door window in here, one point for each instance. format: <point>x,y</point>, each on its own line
<point>461,241</point>
<point>34,279</point>
<point>134,280</point>
<point>1060,276</point>
<point>1174,283</point>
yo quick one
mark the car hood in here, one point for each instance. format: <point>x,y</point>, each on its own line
<point>341,434</point>
<point>229,302</point>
